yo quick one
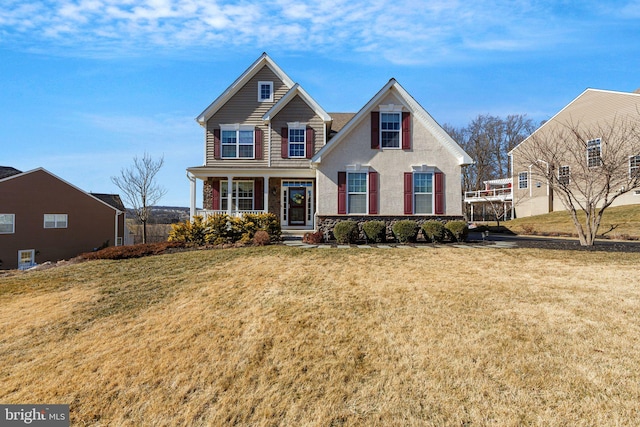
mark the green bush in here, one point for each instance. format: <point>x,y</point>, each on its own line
<point>346,232</point>
<point>376,231</point>
<point>458,229</point>
<point>268,222</point>
<point>406,231</point>
<point>433,231</point>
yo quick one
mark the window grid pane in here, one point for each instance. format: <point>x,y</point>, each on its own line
<point>357,188</point>
<point>563,175</point>
<point>6,223</point>
<point>296,142</point>
<point>423,193</point>
<point>390,130</point>
<point>634,165</point>
<point>594,153</point>
<point>523,180</point>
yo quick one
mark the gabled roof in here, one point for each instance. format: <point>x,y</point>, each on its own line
<point>21,174</point>
<point>6,171</point>
<point>296,90</point>
<point>240,82</point>
<point>414,107</point>
<point>111,199</point>
<point>592,106</point>
<point>338,121</point>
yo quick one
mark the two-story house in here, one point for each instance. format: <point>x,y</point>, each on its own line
<point>269,147</point>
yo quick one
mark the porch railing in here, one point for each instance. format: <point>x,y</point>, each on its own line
<point>505,193</point>
<point>209,212</point>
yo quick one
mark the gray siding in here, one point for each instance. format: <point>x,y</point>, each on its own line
<point>295,111</point>
<point>244,108</point>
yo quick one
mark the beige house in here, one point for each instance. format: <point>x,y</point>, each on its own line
<point>392,160</point>
<point>269,147</point>
<point>598,128</point>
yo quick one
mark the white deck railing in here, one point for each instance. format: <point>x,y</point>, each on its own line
<point>494,194</point>
<point>209,212</point>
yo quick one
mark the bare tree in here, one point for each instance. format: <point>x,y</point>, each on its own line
<point>586,167</point>
<point>141,191</point>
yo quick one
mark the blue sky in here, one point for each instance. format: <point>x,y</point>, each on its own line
<point>86,85</point>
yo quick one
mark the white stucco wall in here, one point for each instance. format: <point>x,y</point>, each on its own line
<point>391,164</point>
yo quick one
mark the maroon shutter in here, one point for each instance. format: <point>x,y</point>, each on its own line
<point>373,193</point>
<point>406,131</point>
<point>310,143</point>
<point>342,193</point>
<point>439,194</point>
<point>375,130</point>
<point>258,141</point>
<point>284,147</point>
<point>408,193</point>
<point>216,194</point>
<point>258,194</point>
<point>216,143</point>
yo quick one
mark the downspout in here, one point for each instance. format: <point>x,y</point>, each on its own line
<point>513,188</point>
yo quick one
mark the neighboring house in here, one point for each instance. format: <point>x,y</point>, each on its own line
<point>44,218</point>
<point>494,201</point>
<point>589,113</point>
<point>269,147</point>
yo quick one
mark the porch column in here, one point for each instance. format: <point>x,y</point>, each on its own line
<point>265,189</point>
<point>471,211</point>
<point>192,204</point>
<point>229,195</point>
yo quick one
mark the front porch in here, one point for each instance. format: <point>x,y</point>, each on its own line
<point>292,198</point>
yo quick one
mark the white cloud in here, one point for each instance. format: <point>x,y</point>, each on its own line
<point>401,31</point>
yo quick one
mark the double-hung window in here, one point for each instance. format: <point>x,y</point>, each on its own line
<point>241,196</point>
<point>7,223</point>
<point>237,142</point>
<point>55,221</point>
<point>265,91</point>
<point>634,166</point>
<point>357,192</point>
<point>563,175</point>
<point>594,151</point>
<point>297,141</point>
<point>423,193</point>
<point>523,180</point>
<point>390,130</point>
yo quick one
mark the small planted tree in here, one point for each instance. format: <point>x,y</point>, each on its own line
<point>140,189</point>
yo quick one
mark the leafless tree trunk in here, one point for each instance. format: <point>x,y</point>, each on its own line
<point>585,175</point>
<point>140,189</point>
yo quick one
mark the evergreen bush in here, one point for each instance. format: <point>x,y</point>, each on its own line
<point>458,229</point>
<point>433,231</point>
<point>376,231</point>
<point>346,232</point>
<point>406,231</point>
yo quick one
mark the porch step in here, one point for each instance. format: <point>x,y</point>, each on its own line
<point>293,234</point>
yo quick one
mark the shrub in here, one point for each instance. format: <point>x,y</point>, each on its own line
<point>268,222</point>
<point>459,230</point>
<point>346,232</point>
<point>189,231</point>
<point>261,238</point>
<point>313,238</point>
<point>433,231</point>
<point>376,231</point>
<point>406,231</point>
<point>133,251</point>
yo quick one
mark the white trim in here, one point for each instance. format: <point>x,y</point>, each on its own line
<point>32,252</point>
<point>237,128</point>
<point>297,90</point>
<point>297,126</point>
<point>56,220</point>
<point>413,190</point>
<point>366,193</point>
<point>260,85</point>
<point>390,108</point>
<point>526,182</point>
<point>13,223</point>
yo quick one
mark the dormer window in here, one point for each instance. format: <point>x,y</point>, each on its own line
<point>265,91</point>
<point>390,130</point>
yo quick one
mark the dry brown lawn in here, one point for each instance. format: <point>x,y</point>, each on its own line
<point>365,337</point>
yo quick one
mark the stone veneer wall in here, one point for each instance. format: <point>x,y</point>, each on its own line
<point>325,224</point>
<point>207,194</point>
